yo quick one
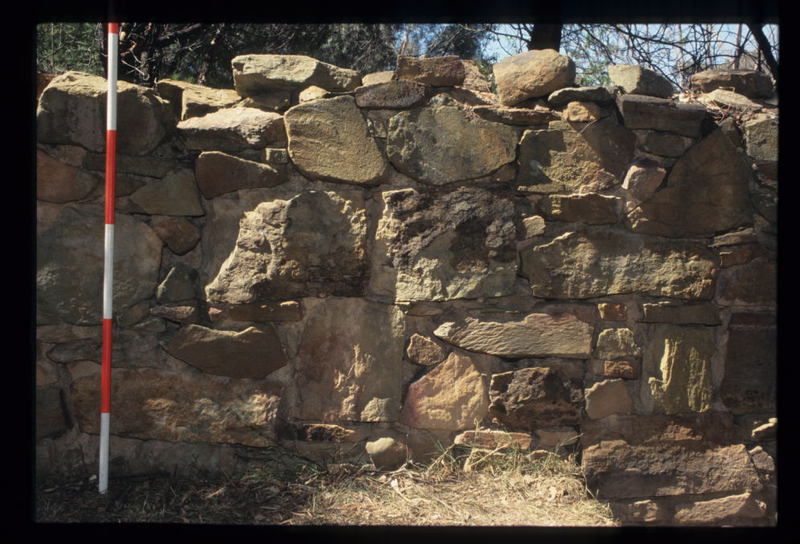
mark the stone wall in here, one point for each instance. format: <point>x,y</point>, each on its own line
<point>347,266</point>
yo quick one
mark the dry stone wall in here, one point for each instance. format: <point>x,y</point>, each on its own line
<point>372,268</point>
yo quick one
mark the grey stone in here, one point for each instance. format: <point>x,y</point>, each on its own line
<point>259,74</point>
<point>532,74</point>
<point>176,194</point>
<point>649,112</point>
<point>219,173</point>
<point>637,80</point>
<point>564,96</point>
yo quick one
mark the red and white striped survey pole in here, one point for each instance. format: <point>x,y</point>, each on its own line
<point>108,261</point>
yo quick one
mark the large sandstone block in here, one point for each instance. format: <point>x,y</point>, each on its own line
<point>443,144</point>
<point>252,353</point>
<point>59,181</point>
<point>564,158</point>
<point>532,74</point>
<point>750,381</point>
<point>175,194</point>
<point>259,74</point>
<point>192,100</point>
<point>392,94</point>
<point>154,404</point>
<point>459,244</point>
<point>517,336</point>
<point>600,262</point>
<point>750,83</point>
<point>706,192</point>
<point>310,244</point>
<point>329,140</point>
<point>439,71</point>
<point>69,265</point>
<point>637,80</point>
<point>649,112</point>
<point>233,130</point>
<point>750,284</point>
<point>349,364</point>
<point>452,396</point>
<point>219,173</point>
<point>72,111</point>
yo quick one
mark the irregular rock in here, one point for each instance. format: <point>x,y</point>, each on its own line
<point>71,111</point>
<point>329,140</point>
<point>677,369</point>
<point>729,100</point>
<point>637,80</point>
<point>562,159</point>
<point>684,314</point>
<point>233,130</point>
<point>58,181</point>
<point>719,511</point>
<point>616,343</point>
<point>387,453</point>
<point>424,351</point>
<point>534,335</point>
<point>179,285</point>
<point>150,166</point>
<point>751,284</point>
<point>180,235</point>
<point>350,353</point>
<point>606,398</point>
<point>176,194</point>
<point>311,93</point>
<point>51,419</point>
<point>761,134</point>
<point>532,74</point>
<point>474,80</point>
<point>69,265</point>
<point>706,192</point>
<point>492,440</point>
<point>444,71</point>
<point>276,156</point>
<point>459,244</point>
<point>589,208</point>
<point>665,144</point>
<point>555,437</point>
<point>395,94</point>
<point>533,226</point>
<point>743,254</point>
<point>750,381</point>
<point>526,399</point>
<point>377,77</point>
<point>640,512</point>
<point>612,312</point>
<point>443,144</point>
<point>584,112</point>
<point>155,404</point>
<point>627,370</point>
<point>562,97</point>
<point>254,352</point>
<point>289,310</point>
<point>178,314</point>
<point>601,262</point>
<point>192,100</point>
<point>452,396</point>
<point>259,74</point>
<point>649,112</point>
<point>642,181</point>
<point>538,115</point>
<point>219,173</point>
<point>313,243</point>
<point>277,100</point>
<point>750,83</point>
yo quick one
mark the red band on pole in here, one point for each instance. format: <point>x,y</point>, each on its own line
<point>111,174</point>
<point>105,379</point>
<point>113,28</point>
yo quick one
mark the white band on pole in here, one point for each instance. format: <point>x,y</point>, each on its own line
<point>105,424</point>
<point>108,272</point>
<point>111,95</point>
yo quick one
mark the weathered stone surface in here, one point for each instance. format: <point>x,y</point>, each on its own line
<point>750,381</point>
<point>640,512</point>
<point>72,111</point>
<point>424,351</point>
<point>677,369</point>
<point>561,158</point>
<point>252,353</point>
<point>179,285</point>
<point>589,208</point>
<point>313,243</point>
<point>350,354</point>
<point>259,74</point>
<point>649,112</point>
<point>600,262</point>
<point>526,399</point>
<point>443,144</point>
<point>491,439</point>
<point>387,453</point>
<point>729,100</point>
<point>289,310</point>
<point>311,93</point>
<point>474,80</point>
<point>637,80</point>
<point>186,313</point>
<point>616,343</point>
<point>761,134</point>
<point>59,181</point>
<point>277,100</point>
<point>742,236</point>
<point>606,398</point>
<point>517,336</point>
<point>634,457</point>
<point>329,140</point>
<point>394,94</point>
<point>612,312</point>
<point>665,144</point>
<point>538,115</point>
<point>232,130</point>
<point>444,71</point>
<point>164,405</point>
<point>195,100</point>
<point>219,173</point>
<point>452,396</point>
<point>735,255</point>
<point>459,244</point>
<point>564,96</point>
<point>377,77</point>
<point>51,420</point>
<point>686,314</point>
<point>532,74</point>
<point>180,235</point>
<point>641,182</point>
<point>706,192</point>
<point>153,165</point>
<point>584,112</point>
<point>750,83</point>
<point>176,194</point>
<point>628,370</point>
<point>69,265</point>
<point>555,437</point>
<point>719,511</point>
<point>751,284</point>
<point>533,226</point>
